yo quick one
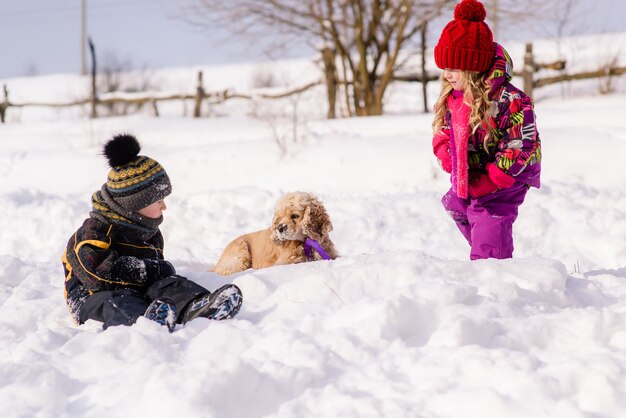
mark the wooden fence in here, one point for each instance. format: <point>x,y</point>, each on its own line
<point>141,99</point>
<point>529,75</point>
<point>531,68</point>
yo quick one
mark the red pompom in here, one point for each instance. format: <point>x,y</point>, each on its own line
<point>471,10</point>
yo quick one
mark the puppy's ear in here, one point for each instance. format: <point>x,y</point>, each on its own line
<point>274,232</point>
<point>315,221</point>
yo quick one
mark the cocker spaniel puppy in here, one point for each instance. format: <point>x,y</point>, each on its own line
<point>299,233</point>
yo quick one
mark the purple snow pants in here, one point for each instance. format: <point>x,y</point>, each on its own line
<point>487,222</point>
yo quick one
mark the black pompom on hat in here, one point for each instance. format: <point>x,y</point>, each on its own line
<point>121,150</point>
<point>134,181</point>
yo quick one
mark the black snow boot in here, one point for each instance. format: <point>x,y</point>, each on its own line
<point>162,312</point>
<point>223,303</point>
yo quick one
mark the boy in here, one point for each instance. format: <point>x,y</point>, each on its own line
<point>114,266</point>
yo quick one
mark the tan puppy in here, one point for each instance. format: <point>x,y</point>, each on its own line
<point>297,216</point>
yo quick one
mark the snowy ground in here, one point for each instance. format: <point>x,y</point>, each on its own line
<point>402,325</point>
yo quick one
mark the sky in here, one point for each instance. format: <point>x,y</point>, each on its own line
<point>43,36</point>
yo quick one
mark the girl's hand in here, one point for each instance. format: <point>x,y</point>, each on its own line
<point>444,159</point>
<point>486,183</point>
<point>441,149</point>
<point>482,186</point>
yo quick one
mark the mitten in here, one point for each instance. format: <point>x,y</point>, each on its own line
<point>499,177</point>
<point>441,149</point>
<point>157,269</point>
<point>444,159</point>
<point>482,186</point>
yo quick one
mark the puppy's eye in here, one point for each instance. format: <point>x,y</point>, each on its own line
<point>295,216</point>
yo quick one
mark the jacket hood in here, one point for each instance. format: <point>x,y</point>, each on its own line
<point>501,70</point>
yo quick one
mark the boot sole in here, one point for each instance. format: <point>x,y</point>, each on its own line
<point>223,303</point>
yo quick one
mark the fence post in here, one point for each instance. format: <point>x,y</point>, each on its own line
<point>330,71</point>
<point>94,92</point>
<point>199,96</point>
<point>4,104</point>
<point>423,34</point>
<point>528,70</point>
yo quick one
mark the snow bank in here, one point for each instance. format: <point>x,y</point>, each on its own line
<point>402,325</point>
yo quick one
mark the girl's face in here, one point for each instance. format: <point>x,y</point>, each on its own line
<point>454,78</point>
<point>153,211</point>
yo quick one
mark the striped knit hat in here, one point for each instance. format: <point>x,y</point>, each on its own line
<point>134,181</point>
<point>466,43</point>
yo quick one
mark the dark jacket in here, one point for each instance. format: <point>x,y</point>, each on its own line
<point>104,256</point>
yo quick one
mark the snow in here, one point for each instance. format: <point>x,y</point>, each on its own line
<point>402,325</point>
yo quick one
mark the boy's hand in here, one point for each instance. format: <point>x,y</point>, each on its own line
<point>157,269</point>
<point>166,268</point>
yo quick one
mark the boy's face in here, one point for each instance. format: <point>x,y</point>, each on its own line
<point>153,211</point>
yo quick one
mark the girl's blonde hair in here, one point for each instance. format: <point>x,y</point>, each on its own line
<point>475,95</point>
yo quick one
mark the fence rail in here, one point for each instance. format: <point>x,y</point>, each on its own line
<point>531,68</point>
<point>528,74</point>
<point>213,97</point>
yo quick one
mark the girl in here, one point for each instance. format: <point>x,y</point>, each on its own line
<point>484,134</point>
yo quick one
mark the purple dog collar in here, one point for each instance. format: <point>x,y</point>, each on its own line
<point>310,245</point>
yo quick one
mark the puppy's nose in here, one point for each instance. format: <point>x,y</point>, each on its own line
<point>282,228</point>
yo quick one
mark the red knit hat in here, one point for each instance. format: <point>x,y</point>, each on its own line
<point>466,43</point>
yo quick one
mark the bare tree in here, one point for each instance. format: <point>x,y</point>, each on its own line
<point>606,83</point>
<point>547,18</point>
<point>507,17</point>
<point>365,36</point>
<point>564,16</point>
<point>117,75</point>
